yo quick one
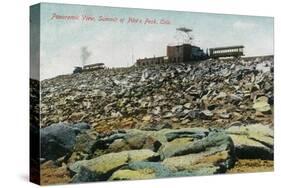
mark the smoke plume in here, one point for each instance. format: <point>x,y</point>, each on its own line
<point>85,54</point>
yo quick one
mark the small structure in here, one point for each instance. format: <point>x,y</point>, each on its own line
<point>176,54</point>
<point>185,53</point>
<point>229,51</point>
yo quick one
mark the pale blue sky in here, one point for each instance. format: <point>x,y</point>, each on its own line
<point>115,43</point>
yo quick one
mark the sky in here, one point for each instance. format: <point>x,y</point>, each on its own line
<point>119,44</point>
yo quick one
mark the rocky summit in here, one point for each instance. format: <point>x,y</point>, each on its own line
<point>210,93</point>
<point>157,121</point>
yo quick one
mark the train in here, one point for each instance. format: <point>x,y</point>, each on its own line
<point>90,67</point>
<point>229,51</point>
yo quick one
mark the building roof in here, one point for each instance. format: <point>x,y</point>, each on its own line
<point>178,45</point>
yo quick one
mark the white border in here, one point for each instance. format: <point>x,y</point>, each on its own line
<point>14,75</point>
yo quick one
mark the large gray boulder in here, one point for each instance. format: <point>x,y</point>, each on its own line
<point>58,140</point>
<point>254,141</point>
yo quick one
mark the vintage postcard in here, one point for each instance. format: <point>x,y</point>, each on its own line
<point>130,94</point>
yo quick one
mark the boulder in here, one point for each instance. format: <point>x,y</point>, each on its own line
<point>147,118</point>
<point>141,140</point>
<point>177,109</point>
<point>203,163</point>
<point>206,114</point>
<point>134,139</point>
<point>82,126</point>
<point>146,170</point>
<point>141,170</point>
<point>211,154</point>
<point>185,132</point>
<point>252,141</point>
<point>101,168</point>
<point>168,148</point>
<point>84,143</point>
<point>58,140</point>
<point>127,174</point>
<point>261,105</point>
<point>214,140</point>
<point>187,105</point>
<point>74,157</point>
<point>118,145</point>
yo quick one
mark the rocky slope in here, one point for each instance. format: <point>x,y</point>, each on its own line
<point>211,93</point>
<point>157,121</point>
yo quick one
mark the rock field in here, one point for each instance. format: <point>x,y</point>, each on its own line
<point>158,121</point>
